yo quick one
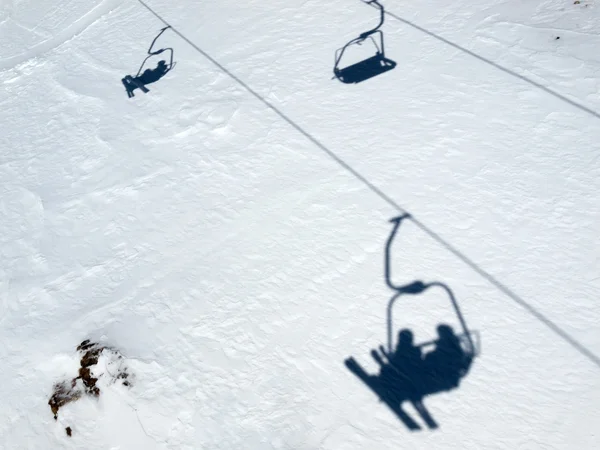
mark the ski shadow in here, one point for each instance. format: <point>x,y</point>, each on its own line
<point>148,76</point>
<point>370,67</point>
<point>409,372</point>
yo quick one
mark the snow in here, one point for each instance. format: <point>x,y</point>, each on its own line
<point>226,231</point>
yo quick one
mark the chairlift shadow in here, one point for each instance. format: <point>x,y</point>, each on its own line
<point>141,79</point>
<point>410,372</point>
<point>369,67</point>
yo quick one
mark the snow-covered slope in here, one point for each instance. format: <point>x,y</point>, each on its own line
<point>234,252</point>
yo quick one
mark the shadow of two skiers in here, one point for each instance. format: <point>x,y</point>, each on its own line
<point>411,372</point>
<point>141,79</point>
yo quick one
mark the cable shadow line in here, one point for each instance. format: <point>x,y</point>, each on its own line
<point>496,65</point>
<point>501,287</point>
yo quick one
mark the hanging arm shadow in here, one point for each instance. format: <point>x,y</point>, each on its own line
<point>152,53</point>
<point>381,19</point>
<point>388,250</point>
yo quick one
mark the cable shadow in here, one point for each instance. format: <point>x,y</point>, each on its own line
<point>369,67</point>
<point>497,66</point>
<point>501,287</point>
<point>410,372</point>
<point>140,80</point>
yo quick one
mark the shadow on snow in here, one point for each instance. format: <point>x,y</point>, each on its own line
<point>369,67</point>
<point>409,372</point>
<point>142,79</point>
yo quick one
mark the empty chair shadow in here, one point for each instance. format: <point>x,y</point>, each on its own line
<point>369,67</point>
<point>148,76</point>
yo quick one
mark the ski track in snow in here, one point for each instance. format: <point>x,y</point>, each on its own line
<point>62,37</point>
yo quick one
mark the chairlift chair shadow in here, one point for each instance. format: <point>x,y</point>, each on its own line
<point>439,370</point>
<point>157,52</point>
<point>469,340</point>
<point>470,347</point>
<point>369,67</point>
<point>148,76</point>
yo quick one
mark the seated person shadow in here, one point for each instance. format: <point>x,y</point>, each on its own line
<point>149,76</point>
<point>409,372</point>
<point>409,375</point>
<point>153,75</point>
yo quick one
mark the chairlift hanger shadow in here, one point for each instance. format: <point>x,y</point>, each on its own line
<point>157,52</point>
<point>370,67</point>
<point>406,373</point>
<point>142,79</point>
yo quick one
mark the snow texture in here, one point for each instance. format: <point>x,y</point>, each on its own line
<point>226,231</point>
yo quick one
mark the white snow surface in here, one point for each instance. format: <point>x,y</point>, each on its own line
<point>236,264</point>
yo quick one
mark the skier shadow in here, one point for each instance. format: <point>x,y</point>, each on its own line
<point>410,372</point>
<point>369,67</point>
<point>141,79</point>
